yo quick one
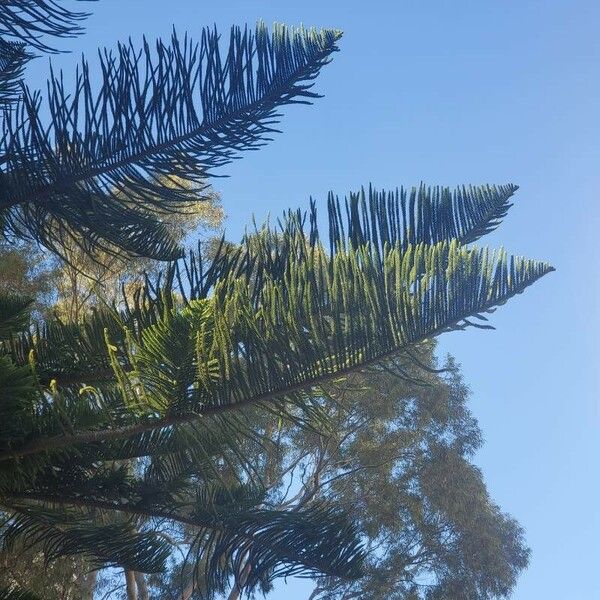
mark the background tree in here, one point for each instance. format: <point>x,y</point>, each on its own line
<point>69,286</point>
<point>85,279</point>
<point>397,456</point>
<point>63,579</point>
<point>162,383</point>
<point>26,271</point>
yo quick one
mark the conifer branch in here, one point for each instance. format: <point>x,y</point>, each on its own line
<point>64,441</point>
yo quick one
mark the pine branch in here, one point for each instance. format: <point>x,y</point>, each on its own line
<point>13,57</point>
<point>14,314</point>
<point>283,317</point>
<point>315,539</point>
<point>420,216</point>
<point>29,21</point>
<point>67,533</point>
<point>315,376</point>
<point>174,113</point>
<point>105,505</point>
<point>14,593</point>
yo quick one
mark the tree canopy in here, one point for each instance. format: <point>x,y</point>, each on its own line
<point>396,454</point>
<point>128,422</point>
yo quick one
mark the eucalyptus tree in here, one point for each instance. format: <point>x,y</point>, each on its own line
<point>397,456</point>
<point>121,428</point>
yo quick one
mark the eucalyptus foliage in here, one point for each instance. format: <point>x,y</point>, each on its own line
<point>119,429</point>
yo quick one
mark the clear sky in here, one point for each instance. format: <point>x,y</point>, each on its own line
<point>451,93</point>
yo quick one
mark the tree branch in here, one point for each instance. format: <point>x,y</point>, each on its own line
<point>130,585</point>
<point>63,441</point>
<point>88,437</point>
<point>104,505</point>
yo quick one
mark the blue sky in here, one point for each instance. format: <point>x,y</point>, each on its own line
<point>451,93</point>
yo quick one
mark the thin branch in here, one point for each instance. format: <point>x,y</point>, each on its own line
<point>108,594</point>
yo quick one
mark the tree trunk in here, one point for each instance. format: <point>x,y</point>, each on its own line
<point>235,593</point>
<point>237,590</point>
<point>188,591</point>
<point>142,588</point>
<point>88,585</point>
<point>131,585</point>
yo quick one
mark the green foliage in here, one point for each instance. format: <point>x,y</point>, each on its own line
<point>83,279</point>
<point>135,420</point>
<point>399,459</point>
<point>14,593</point>
<point>65,532</point>
<point>67,578</point>
<point>28,272</point>
<point>14,314</point>
<point>166,380</point>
